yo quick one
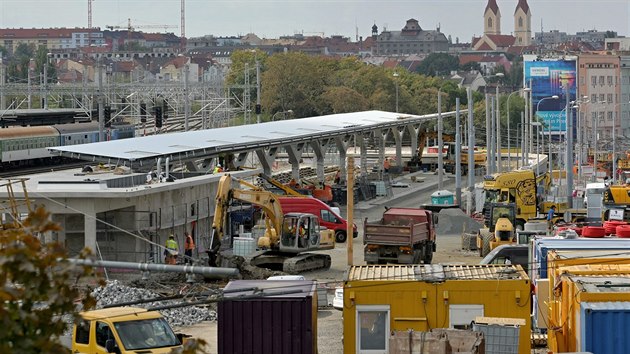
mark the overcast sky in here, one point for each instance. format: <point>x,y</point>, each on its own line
<point>272,18</point>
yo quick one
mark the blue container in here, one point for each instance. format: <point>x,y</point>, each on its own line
<point>542,246</point>
<point>604,327</point>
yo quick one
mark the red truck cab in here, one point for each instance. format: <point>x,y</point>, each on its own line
<point>327,217</point>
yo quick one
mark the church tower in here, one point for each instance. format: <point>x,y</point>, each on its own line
<point>492,18</point>
<point>522,24</point>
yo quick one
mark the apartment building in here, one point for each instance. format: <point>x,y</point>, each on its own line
<point>51,38</point>
<point>600,86</point>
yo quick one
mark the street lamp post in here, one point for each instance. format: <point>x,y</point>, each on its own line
<point>614,142</point>
<point>284,114</point>
<point>525,89</point>
<point>396,83</point>
<point>537,125</point>
<point>549,159</point>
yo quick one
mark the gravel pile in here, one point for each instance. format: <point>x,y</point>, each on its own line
<point>115,292</point>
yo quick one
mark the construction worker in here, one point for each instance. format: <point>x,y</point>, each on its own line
<point>386,165</point>
<point>189,246</point>
<point>550,215</point>
<point>171,250</point>
<point>302,234</point>
<point>218,168</point>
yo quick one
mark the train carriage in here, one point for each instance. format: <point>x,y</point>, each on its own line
<point>18,145</point>
<point>77,133</point>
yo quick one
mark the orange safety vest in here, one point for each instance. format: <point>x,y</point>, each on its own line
<point>190,244</point>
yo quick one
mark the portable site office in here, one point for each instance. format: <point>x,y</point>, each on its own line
<point>382,299</point>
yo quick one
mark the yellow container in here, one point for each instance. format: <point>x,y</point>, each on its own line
<point>557,261</point>
<point>381,299</point>
<point>578,284</point>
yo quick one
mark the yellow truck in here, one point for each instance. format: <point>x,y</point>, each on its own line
<point>123,330</point>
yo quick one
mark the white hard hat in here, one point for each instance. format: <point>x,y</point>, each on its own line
<point>218,165</point>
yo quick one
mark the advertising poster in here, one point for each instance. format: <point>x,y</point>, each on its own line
<point>548,78</point>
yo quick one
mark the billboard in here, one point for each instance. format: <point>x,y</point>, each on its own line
<point>548,78</point>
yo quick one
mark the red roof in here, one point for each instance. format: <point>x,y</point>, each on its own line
<point>485,46</point>
<point>492,5</point>
<point>522,4</point>
<point>41,32</point>
<point>390,64</point>
<point>502,40</point>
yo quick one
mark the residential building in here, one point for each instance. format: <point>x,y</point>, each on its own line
<point>618,44</point>
<point>550,38</point>
<point>625,96</point>
<point>412,39</point>
<point>599,81</point>
<point>51,38</point>
<point>488,63</point>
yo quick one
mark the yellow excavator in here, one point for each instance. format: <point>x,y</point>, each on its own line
<point>499,229</point>
<point>288,237</point>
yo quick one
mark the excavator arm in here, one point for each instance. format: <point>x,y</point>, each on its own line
<point>287,190</point>
<point>267,201</point>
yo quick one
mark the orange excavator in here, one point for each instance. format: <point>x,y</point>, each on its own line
<point>416,161</point>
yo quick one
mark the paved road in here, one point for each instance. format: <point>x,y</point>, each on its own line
<point>330,321</point>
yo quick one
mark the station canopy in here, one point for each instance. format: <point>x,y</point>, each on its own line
<point>207,143</point>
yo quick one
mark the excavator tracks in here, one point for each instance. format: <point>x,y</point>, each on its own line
<point>306,262</point>
<point>291,264</point>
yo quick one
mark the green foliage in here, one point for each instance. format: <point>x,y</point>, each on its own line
<point>36,288</point>
<point>294,81</point>
<point>437,64</point>
<point>344,100</point>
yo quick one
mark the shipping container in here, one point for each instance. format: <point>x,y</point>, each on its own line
<point>382,299</point>
<point>603,327</point>
<point>268,316</point>
<point>565,321</point>
<point>585,262</point>
<point>541,246</point>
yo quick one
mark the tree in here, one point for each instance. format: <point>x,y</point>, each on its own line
<point>437,64</point>
<point>294,81</point>
<point>342,99</point>
<point>37,287</point>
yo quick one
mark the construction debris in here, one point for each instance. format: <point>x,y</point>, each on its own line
<point>115,292</point>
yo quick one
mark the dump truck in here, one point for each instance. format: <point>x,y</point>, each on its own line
<point>403,235</point>
<point>123,330</point>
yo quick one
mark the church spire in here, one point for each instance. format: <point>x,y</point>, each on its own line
<point>522,24</point>
<point>492,18</point>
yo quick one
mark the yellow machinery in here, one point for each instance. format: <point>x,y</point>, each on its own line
<point>287,236</point>
<point>499,229</point>
<point>616,201</point>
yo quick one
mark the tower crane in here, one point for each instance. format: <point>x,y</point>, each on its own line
<point>131,28</point>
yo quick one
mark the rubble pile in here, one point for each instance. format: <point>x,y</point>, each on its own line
<point>115,292</point>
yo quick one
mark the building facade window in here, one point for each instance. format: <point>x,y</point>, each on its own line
<point>610,80</point>
<point>593,98</point>
<point>610,115</point>
<point>601,80</point>
<point>490,22</point>
<point>610,98</point>
<point>593,80</point>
